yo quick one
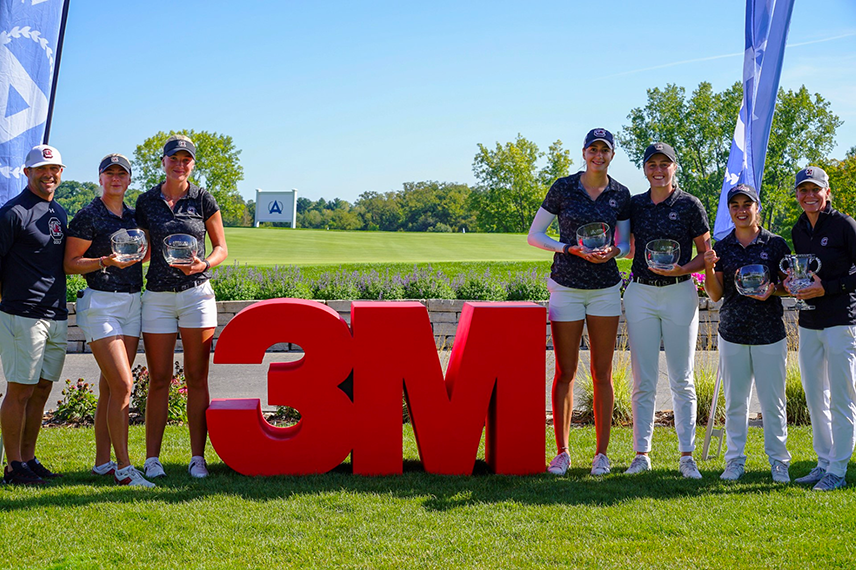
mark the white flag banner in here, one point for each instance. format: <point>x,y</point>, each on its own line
<point>767,24</point>
<point>30,32</point>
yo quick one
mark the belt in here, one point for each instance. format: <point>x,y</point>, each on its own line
<point>661,281</point>
<point>128,289</point>
<point>179,288</point>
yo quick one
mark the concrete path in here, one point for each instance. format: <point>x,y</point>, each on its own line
<point>250,381</point>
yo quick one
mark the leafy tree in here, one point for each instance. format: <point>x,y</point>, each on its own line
<point>218,168</point>
<point>510,185</point>
<point>74,195</point>
<point>380,211</point>
<point>701,128</point>
<point>842,181</point>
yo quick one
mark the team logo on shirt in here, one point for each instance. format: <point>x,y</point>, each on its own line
<point>191,209</point>
<point>764,255</point>
<point>673,216</point>
<point>613,203</point>
<point>824,241</point>
<point>55,228</point>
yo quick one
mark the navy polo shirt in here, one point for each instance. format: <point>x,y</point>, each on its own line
<point>743,320</point>
<point>680,217</point>
<point>573,207</point>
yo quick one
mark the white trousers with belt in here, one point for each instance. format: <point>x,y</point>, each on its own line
<point>669,313</point>
<point>739,364</point>
<point>828,372</point>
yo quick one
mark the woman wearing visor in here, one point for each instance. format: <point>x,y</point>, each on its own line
<point>108,312</point>
<point>752,344</point>
<point>585,288</point>
<point>179,299</point>
<point>662,305</point>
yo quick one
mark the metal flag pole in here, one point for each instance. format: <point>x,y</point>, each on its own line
<point>56,72</point>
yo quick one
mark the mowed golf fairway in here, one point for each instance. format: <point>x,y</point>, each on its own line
<point>275,246</point>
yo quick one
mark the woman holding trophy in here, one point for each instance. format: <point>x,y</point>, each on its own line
<point>105,245</point>
<point>662,303</point>
<point>585,286</point>
<point>177,216</point>
<point>827,328</point>
<point>743,269</point>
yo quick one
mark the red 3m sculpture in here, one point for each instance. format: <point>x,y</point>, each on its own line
<point>494,381</point>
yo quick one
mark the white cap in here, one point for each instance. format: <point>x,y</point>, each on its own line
<point>42,155</point>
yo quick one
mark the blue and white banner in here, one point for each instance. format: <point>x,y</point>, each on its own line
<point>767,23</point>
<point>29,39</point>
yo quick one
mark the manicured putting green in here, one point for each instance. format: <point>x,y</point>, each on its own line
<point>274,246</point>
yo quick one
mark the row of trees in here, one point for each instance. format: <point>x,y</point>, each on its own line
<point>512,178</point>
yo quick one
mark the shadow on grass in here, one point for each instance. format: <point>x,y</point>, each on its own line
<point>439,492</point>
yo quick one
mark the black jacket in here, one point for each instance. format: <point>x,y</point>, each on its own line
<point>833,241</point>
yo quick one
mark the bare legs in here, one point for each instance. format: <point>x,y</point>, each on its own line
<point>160,351</point>
<point>114,356</point>
<point>566,346</point>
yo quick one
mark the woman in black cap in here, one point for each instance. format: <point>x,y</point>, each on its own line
<point>108,312</point>
<point>662,305</point>
<point>752,344</point>
<point>585,288</point>
<point>178,298</point>
<point>827,350</point>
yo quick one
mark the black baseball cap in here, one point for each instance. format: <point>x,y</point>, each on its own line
<point>812,174</point>
<point>599,135</point>
<point>660,148</point>
<point>173,145</point>
<point>746,190</point>
<point>112,159</point>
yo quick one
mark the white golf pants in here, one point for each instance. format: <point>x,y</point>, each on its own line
<point>739,364</point>
<point>828,372</point>
<point>669,313</point>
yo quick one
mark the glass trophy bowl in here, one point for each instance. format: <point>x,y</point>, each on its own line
<point>594,237</point>
<point>752,279</point>
<point>180,249</point>
<point>129,245</point>
<point>662,253</point>
<point>798,268</point>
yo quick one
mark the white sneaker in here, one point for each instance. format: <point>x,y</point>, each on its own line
<point>640,464</point>
<point>689,469</point>
<point>105,468</point>
<point>600,465</point>
<point>560,464</point>
<point>131,477</point>
<point>734,470</point>
<point>779,469</point>
<point>153,468</point>
<point>198,468</point>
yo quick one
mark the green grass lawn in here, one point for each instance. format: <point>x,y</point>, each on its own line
<point>273,246</point>
<point>656,520</point>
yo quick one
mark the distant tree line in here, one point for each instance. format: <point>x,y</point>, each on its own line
<point>512,178</point>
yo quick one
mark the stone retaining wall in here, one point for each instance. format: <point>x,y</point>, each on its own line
<point>444,315</point>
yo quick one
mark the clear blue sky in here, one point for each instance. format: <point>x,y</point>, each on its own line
<point>338,98</point>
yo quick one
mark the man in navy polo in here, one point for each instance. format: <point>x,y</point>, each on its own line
<point>33,314</point>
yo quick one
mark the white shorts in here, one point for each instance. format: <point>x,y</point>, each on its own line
<point>165,312</point>
<point>568,304</point>
<point>32,348</point>
<point>104,314</point>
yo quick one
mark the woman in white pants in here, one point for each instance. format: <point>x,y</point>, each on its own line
<point>663,305</point>
<point>827,333</point>
<point>585,289</point>
<point>752,335</point>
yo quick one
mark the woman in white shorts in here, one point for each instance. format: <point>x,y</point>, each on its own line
<point>179,299</point>
<point>662,305</point>
<point>752,337</point>
<point>108,312</point>
<point>585,289</point>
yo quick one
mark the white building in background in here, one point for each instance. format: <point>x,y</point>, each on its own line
<point>276,206</point>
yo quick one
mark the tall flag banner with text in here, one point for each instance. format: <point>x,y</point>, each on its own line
<point>30,32</point>
<point>767,23</point>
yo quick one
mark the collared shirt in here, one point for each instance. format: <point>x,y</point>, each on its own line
<point>573,207</point>
<point>743,320</point>
<point>95,223</point>
<point>32,247</point>
<point>680,217</point>
<point>833,241</point>
<point>187,217</point>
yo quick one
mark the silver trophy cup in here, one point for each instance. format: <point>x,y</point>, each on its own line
<point>798,268</point>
